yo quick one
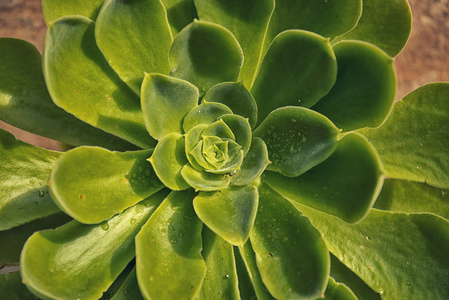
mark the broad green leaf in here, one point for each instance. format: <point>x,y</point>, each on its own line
<point>78,261</point>
<point>235,96</point>
<point>365,88</point>
<point>399,255</point>
<point>254,163</point>
<point>92,184</point>
<point>241,129</point>
<point>385,23</point>
<point>142,47</point>
<point>174,268</point>
<point>129,289</point>
<point>168,159</point>
<point>14,239</point>
<point>248,21</point>
<point>413,143</point>
<point>345,185</point>
<point>291,256</point>
<point>206,113</point>
<point>118,282</point>
<point>25,102</point>
<point>180,13</point>
<point>23,182</point>
<point>204,181</point>
<point>218,129</point>
<point>327,18</point>
<point>248,256</point>
<point>297,139</point>
<point>230,212</point>
<point>54,9</point>
<point>12,288</point>
<point>205,54</point>
<point>338,291</point>
<point>298,69</point>
<point>80,81</point>
<point>409,196</point>
<point>341,273</point>
<point>221,276</point>
<point>165,102</point>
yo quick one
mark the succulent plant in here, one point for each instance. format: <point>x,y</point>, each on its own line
<point>222,149</point>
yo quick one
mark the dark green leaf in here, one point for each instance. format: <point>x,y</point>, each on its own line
<point>399,255</point>
<point>245,285</point>
<point>345,185</point>
<point>78,261</point>
<point>180,13</point>
<point>248,21</point>
<point>384,23</point>
<point>408,196</point>
<point>291,256</point>
<point>230,212</point>
<point>142,47</point>
<point>413,143</point>
<point>168,160</point>
<point>297,139</point>
<point>129,289</point>
<point>12,288</point>
<point>221,277</point>
<point>205,54</point>
<point>93,184</point>
<point>23,182</point>
<point>165,102</point>
<point>54,9</point>
<point>235,96</point>
<point>81,81</point>
<point>25,102</point>
<point>365,88</point>
<point>298,69</point>
<point>174,268</point>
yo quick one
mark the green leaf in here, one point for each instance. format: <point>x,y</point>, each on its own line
<point>365,89</point>
<point>408,196</point>
<point>297,139</point>
<point>384,23</point>
<point>12,288</point>
<point>174,268</point>
<point>54,9</point>
<point>24,100</point>
<point>291,256</point>
<point>129,289</point>
<point>128,51</point>
<point>248,256</point>
<point>235,96</point>
<point>241,129</point>
<point>205,54</point>
<point>204,181</point>
<point>92,184</point>
<point>327,18</point>
<point>23,182</point>
<point>180,13</point>
<point>14,239</point>
<point>78,261</point>
<point>254,163</point>
<point>413,143</point>
<point>165,102</point>
<point>398,255</point>
<point>248,21</point>
<point>230,212</point>
<point>206,113</point>
<point>341,273</point>
<point>345,185</point>
<point>221,277</point>
<point>80,81</point>
<point>298,69</point>
<point>168,160</point>
<point>338,291</point>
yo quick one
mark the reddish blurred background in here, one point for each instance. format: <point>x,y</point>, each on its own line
<point>425,58</point>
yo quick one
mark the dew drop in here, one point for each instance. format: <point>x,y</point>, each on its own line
<point>32,181</point>
<point>294,120</point>
<point>105,226</point>
<point>41,194</point>
<point>181,234</point>
<point>147,172</point>
<point>139,209</point>
<point>133,221</point>
<point>303,139</point>
<point>226,276</point>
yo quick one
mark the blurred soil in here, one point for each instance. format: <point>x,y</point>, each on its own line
<point>425,58</point>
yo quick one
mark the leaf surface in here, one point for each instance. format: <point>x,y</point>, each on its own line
<point>174,268</point>
<point>93,184</point>
<point>54,9</point>
<point>180,13</point>
<point>12,288</point>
